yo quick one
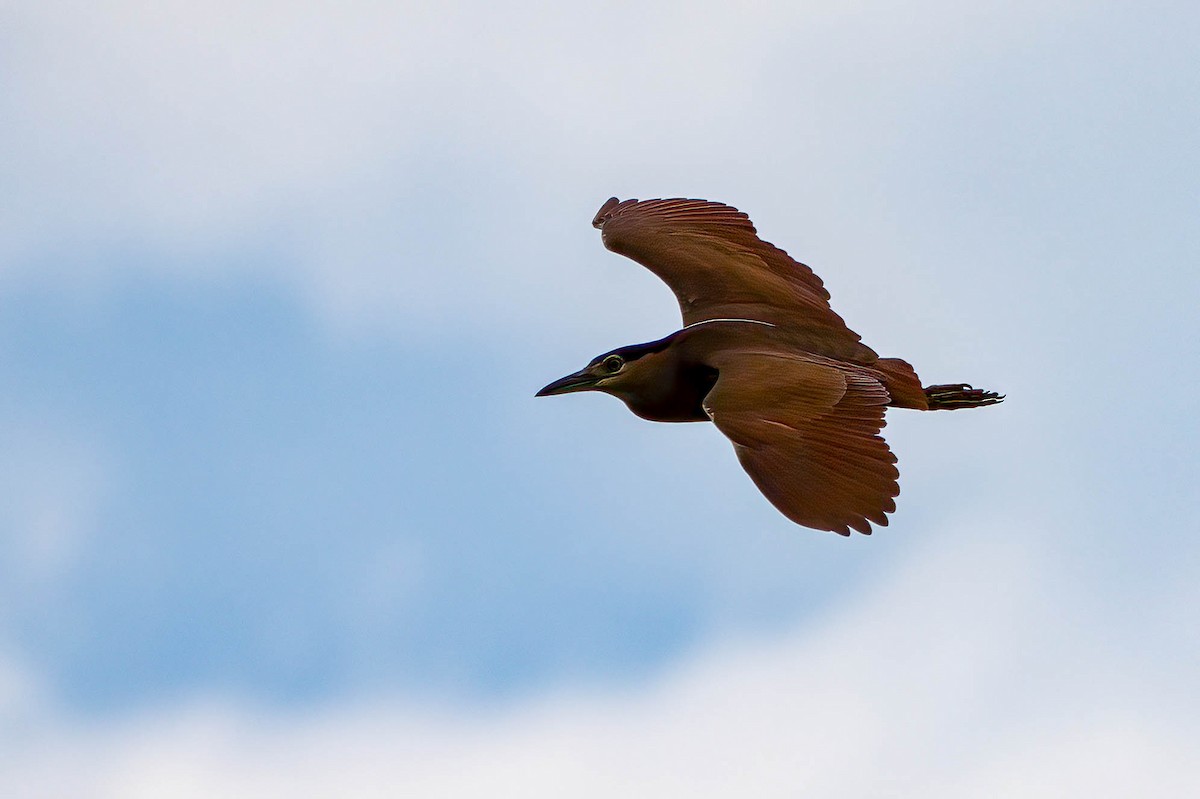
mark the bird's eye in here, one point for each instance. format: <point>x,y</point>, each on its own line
<point>613,364</point>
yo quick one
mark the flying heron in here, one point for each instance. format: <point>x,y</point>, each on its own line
<point>764,358</point>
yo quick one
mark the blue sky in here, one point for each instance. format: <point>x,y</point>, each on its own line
<point>277,285</point>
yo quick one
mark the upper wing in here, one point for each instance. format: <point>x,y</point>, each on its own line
<point>808,434</point>
<point>712,258</point>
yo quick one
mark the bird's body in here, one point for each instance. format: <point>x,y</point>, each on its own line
<point>764,357</point>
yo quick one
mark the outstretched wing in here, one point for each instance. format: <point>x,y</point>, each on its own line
<point>807,433</point>
<point>712,258</point>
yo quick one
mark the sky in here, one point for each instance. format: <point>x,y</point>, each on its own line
<point>280,515</point>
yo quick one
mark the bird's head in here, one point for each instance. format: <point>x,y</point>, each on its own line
<point>613,373</point>
<point>651,379</point>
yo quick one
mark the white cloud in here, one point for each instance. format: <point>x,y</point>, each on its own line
<point>938,684</point>
<point>411,163</point>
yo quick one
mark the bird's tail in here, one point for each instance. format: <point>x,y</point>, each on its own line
<point>959,395</point>
<point>906,390</point>
<point>902,383</point>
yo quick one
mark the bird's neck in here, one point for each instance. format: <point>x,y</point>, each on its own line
<point>671,390</point>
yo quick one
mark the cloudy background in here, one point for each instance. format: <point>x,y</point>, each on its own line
<point>280,516</point>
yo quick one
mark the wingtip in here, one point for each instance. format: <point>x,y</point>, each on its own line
<point>602,215</point>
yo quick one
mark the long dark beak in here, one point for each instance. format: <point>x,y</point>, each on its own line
<point>579,381</point>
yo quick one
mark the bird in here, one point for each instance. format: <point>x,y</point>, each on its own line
<point>763,357</point>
